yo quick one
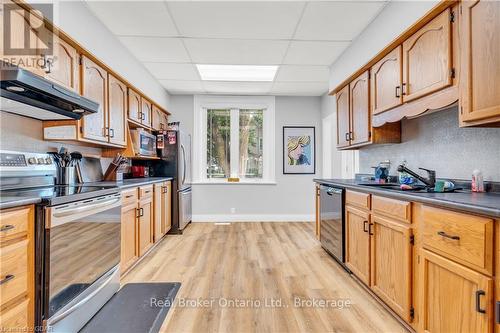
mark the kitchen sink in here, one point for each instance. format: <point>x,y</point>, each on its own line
<point>396,187</point>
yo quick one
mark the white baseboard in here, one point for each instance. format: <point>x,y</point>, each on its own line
<point>253,218</point>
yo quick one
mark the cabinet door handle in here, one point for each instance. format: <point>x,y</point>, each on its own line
<point>7,278</point>
<point>364,226</point>
<point>347,137</point>
<point>443,234</point>
<point>143,116</point>
<point>497,312</point>
<point>111,133</point>
<point>479,293</point>
<point>403,90</point>
<point>142,211</point>
<point>351,136</point>
<point>138,212</point>
<point>398,94</point>
<point>370,229</point>
<point>129,196</point>
<point>7,227</point>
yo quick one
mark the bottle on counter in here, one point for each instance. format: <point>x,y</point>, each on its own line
<point>477,181</point>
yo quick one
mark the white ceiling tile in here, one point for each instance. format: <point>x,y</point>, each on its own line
<point>135,18</point>
<point>300,88</point>
<point>182,87</point>
<point>156,49</point>
<point>336,20</point>
<point>291,73</point>
<point>170,71</point>
<point>314,52</point>
<point>236,19</point>
<point>236,52</point>
<point>220,87</point>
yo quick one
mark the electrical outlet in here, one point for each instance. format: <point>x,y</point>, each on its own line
<point>233,210</point>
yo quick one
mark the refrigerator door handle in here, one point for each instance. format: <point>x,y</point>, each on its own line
<point>184,163</point>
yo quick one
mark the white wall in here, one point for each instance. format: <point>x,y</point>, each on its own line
<point>76,19</point>
<point>291,199</point>
<point>395,18</point>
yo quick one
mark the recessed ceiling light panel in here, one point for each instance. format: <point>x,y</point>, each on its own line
<point>237,73</point>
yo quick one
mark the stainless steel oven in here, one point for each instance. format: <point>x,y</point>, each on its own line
<point>332,224</point>
<point>81,247</point>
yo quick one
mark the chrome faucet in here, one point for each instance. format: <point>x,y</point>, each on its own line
<point>430,182</point>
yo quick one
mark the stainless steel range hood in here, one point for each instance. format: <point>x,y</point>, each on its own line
<point>30,95</point>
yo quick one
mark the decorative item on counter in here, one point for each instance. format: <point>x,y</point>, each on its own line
<point>381,172</point>
<point>477,181</point>
<point>404,177</point>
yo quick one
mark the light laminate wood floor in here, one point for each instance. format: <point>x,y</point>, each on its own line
<point>240,269</point>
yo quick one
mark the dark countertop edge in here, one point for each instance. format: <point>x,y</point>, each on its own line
<point>18,202</point>
<point>127,183</point>
<point>131,182</point>
<point>481,210</point>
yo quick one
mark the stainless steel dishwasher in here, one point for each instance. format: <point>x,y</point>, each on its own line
<point>332,221</point>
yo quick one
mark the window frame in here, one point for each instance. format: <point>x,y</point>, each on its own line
<point>234,103</point>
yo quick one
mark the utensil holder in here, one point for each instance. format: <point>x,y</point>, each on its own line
<point>65,176</point>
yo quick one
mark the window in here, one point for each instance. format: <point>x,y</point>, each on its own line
<point>233,138</point>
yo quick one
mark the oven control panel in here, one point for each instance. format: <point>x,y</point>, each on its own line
<point>25,162</point>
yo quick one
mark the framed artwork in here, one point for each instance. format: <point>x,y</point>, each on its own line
<point>299,150</point>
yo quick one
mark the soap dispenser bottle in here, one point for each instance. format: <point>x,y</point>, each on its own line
<point>477,181</point>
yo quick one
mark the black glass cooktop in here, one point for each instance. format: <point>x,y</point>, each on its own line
<point>60,194</point>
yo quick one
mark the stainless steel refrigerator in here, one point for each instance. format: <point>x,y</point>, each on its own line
<point>176,162</point>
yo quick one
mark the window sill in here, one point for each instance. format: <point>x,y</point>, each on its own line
<point>266,182</point>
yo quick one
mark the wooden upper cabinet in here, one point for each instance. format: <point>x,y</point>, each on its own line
<point>95,87</point>
<point>386,82</point>
<point>360,109</point>
<point>22,25</point>
<point>391,253</point>
<point>343,118</point>
<point>117,111</point>
<point>134,106</point>
<point>146,112</point>
<point>158,118</point>
<point>480,62</point>
<point>453,298</point>
<point>358,243</point>
<point>427,59</point>
<point>64,67</point>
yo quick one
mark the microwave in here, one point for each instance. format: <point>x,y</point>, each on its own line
<point>144,143</point>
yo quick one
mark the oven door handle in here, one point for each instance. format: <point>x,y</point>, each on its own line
<point>75,307</point>
<point>90,207</point>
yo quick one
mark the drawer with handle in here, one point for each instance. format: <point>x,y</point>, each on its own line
<point>14,222</point>
<point>129,197</point>
<point>145,191</point>
<point>15,319</point>
<point>13,271</point>
<point>464,238</point>
<point>358,199</point>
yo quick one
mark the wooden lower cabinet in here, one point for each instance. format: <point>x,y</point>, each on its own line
<point>391,253</point>
<point>145,225</point>
<point>163,212</point>
<point>17,268</point>
<point>358,243</point>
<point>453,297</point>
<point>129,252</point>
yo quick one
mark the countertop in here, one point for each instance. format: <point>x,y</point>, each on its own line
<point>12,201</point>
<point>132,182</point>
<point>478,203</point>
<point>9,201</point>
